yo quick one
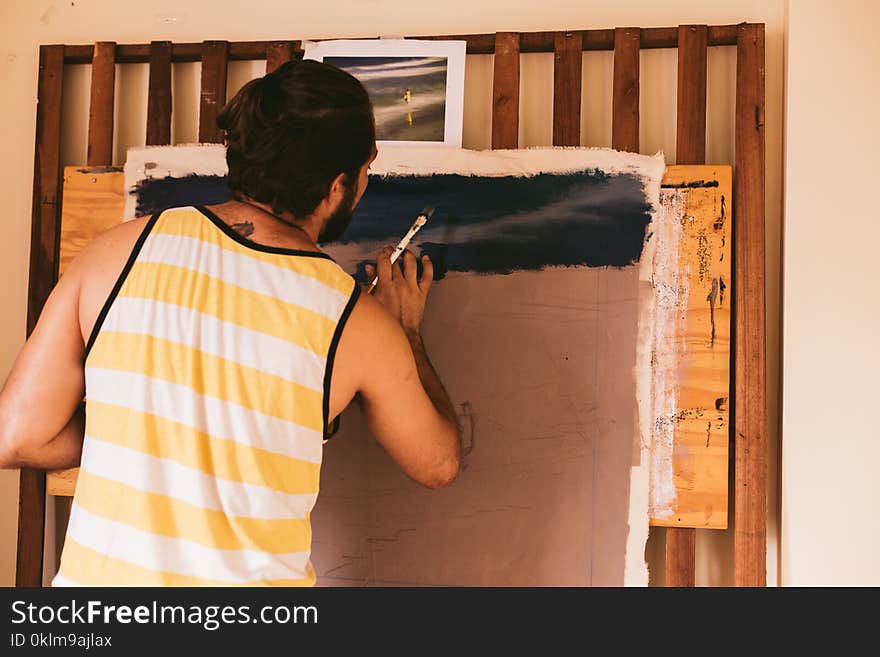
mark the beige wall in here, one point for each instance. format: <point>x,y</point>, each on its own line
<point>28,23</point>
<point>831,432</point>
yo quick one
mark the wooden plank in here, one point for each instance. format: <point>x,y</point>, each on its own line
<point>43,265</point>
<point>505,91</point>
<point>625,117</point>
<point>92,202</point>
<point>691,124</point>
<point>750,405</point>
<point>277,53</point>
<point>159,96</point>
<point>567,66</point>
<point>701,349</point>
<point>215,56</point>
<point>690,149</point>
<point>62,483</point>
<point>100,145</point>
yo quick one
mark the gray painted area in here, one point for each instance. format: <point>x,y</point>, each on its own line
<point>540,364</point>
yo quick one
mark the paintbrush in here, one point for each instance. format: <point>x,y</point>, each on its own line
<point>420,221</point>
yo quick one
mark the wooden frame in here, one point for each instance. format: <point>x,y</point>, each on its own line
<point>748,367</point>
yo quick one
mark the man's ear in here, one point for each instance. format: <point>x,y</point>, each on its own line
<point>337,188</point>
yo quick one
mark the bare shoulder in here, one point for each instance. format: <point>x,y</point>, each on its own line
<point>116,240</point>
<point>370,325</point>
<point>93,273</point>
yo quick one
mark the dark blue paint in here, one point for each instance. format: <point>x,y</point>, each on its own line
<point>156,194</point>
<point>481,224</point>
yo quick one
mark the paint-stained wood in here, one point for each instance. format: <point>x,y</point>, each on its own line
<point>567,66</point>
<point>92,202</point>
<point>43,266</point>
<point>277,53</point>
<point>625,98</point>
<point>100,144</point>
<point>505,91</point>
<point>159,96</point>
<point>690,143</point>
<point>215,56</point>
<point>750,406</point>
<point>702,350</point>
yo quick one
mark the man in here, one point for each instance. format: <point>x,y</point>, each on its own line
<point>214,346</point>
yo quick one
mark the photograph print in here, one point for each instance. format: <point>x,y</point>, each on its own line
<point>416,87</point>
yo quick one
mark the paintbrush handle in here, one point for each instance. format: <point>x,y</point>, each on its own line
<point>420,221</point>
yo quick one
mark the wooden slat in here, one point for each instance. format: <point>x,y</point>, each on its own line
<point>139,53</point>
<point>277,53</point>
<point>602,39</point>
<point>477,44</point>
<point>690,149</point>
<point>100,146</point>
<point>215,56</point>
<point>567,66</point>
<point>159,97</point>
<point>750,402</point>
<point>625,118</point>
<point>42,272</point>
<point>505,91</point>
<point>691,125</point>
<point>680,556</point>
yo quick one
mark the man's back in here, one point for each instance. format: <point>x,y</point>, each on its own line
<point>207,375</point>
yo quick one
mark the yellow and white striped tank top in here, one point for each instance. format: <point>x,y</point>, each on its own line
<point>207,390</point>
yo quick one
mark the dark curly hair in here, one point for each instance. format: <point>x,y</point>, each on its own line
<point>290,133</point>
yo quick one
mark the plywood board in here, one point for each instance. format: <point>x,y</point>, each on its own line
<point>92,202</point>
<point>701,346</point>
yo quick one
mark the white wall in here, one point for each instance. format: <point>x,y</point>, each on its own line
<point>831,430</point>
<point>28,23</point>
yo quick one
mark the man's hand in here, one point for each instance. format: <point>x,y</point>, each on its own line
<point>400,291</point>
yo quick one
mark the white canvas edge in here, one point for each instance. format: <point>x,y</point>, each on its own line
<point>396,160</point>
<point>453,51</point>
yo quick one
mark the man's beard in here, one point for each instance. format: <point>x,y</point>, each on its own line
<point>340,218</point>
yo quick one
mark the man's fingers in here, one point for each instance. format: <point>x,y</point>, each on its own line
<point>427,275</point>
<point>383,266</point>
<point>396,271</point>
<point>410,272</point>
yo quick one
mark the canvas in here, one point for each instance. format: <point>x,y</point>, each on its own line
<point>541,323</point>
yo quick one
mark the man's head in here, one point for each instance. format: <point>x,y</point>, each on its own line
<point>300,140</point>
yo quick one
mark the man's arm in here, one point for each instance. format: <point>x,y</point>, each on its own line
<point>406,407</point>
<point>41,416</point>
<point>429,379</point>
